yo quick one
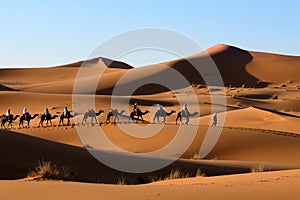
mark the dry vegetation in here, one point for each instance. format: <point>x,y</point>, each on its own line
<point>258,168</point>
<point>48,171</point>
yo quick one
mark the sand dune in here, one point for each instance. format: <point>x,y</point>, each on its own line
<point>261,124</point>
<point>274,68</point>
<point>271,185</point>
<point>237,67</point>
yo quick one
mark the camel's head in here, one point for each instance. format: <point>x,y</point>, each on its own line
<point>122,111</point>
<point>35,115</point>
<point>173,111</point>
<point>147,111</point>
<point>100,111</point>
<point>195,114</point>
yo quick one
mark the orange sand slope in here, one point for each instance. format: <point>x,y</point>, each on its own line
<point>261,126</point>
<point>237,67</point>
<point>268,185</point>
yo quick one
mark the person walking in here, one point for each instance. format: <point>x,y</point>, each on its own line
<point>186,113</point>
<point>215,119</point>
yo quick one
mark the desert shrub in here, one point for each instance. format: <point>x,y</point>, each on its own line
<point>48,171</point>
<point>258,168</point>
<point>121,181</point>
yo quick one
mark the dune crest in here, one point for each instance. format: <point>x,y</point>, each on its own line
<point>106,62</point>
<point>237,68</point>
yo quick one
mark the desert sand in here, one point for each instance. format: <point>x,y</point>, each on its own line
<point>261,131</point>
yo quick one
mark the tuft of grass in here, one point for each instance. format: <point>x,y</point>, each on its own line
<point>258,168</point>
<point>174,174</point>
<point>48,171</point>
<point>177,174</point>
<point>154,179</point>
<point>199,173</point>
<point>196,156</point>
<point>121,181</point>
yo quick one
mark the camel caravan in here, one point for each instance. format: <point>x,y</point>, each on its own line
<point>135,116</point>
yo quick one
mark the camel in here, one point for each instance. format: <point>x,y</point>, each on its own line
<point>10,119</point>
<point>139,114</point>
<point>114,113</point>
<point>28,118</point>
<point>67,116</point>
<point>92,114</point>
<point>162,113</point>
<point>47,118</point>
<point>182,114</point>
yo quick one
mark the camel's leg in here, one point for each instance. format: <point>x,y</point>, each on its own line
<point>157,118</point>
<point>10,123</point>
<point>131,117</point>
<point>93,120</point>
<point>47,121</point>
<point>3,125</point>
<point>137,119</point>
<point>187,120</point>
<point>178,117</point>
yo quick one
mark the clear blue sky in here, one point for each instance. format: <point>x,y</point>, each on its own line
<point>45,33</point>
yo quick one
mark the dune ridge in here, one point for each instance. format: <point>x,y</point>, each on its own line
<point>261,130</point>
<point>237,67</point>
